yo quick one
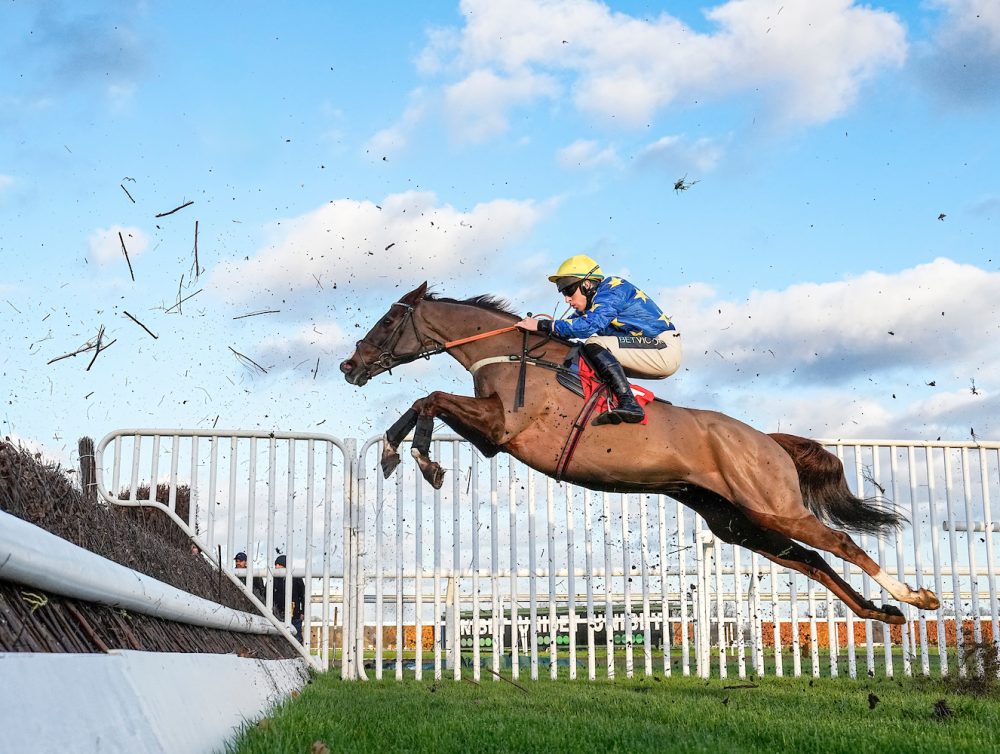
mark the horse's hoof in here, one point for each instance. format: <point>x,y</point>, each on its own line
<point>893,615</point>
<point>390,461</point>
<point>434,475</point>
<point>927,600</point>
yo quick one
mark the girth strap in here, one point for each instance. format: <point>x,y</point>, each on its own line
<point>582,419</point>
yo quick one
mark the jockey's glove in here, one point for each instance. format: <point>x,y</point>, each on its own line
<point>544,326</point>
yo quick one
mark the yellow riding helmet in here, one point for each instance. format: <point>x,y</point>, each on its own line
<point>580,266</point>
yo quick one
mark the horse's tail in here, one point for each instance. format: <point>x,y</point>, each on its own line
<point>825,491</point>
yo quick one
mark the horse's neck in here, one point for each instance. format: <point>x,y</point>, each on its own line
<point>446,321</point>
<point>449,321</point>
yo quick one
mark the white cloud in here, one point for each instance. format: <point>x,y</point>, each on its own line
<point>809,59</point>
<point>962,62</point>
<point>393,139</point>
<point>408,236</point>
<point>585,153</point>
<point>974,20</point>
<point>301,347</point>
<point>477,105</point>
<point>931,315</point>
<point>880,355</point>
<point>105,246</point>
<point>680,154</point>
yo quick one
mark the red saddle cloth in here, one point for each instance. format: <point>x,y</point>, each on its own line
<point>592,382</point>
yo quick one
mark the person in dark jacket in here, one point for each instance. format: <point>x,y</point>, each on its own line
<point>298,603</point>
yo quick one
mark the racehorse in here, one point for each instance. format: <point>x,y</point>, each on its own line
<point>768,493</point>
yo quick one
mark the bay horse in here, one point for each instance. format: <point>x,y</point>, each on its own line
<point>768,493</point>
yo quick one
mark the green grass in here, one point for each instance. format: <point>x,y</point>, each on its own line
<point>654,715</point>
<point>638,662</point>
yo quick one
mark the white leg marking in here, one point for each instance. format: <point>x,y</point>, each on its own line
<point>893,586</point>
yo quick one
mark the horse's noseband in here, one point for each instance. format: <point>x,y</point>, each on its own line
<point>387,357</point>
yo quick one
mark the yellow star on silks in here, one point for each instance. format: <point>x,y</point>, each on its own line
<point>665,318</point>
<point>615,282</point>
<point>593,308</point>
<point>635,333</point>
<point>640,294</point>
<point>616,323</point>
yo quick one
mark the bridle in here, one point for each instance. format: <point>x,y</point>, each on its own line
<point>387,358</point>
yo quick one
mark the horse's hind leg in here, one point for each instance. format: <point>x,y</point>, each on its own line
<point>806,561</point>
<point>812,531</point>
<point>732,526</point>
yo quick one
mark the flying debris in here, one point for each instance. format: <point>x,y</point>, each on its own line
<point>681,184</point>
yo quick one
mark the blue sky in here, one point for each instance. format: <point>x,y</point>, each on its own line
<point>834,265</point>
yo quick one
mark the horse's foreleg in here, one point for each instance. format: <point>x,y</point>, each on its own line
<point>480,420</point>
<point>420,450</point>
<point>393,437</point>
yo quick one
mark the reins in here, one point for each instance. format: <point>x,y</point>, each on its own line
<point>387,358</point>
<point>480,336</point>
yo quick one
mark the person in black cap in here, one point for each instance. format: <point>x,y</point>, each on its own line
<point>298,597</point>
<point>256,584</point>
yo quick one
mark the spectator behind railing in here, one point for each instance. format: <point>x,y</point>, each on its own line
<point>298,597</point>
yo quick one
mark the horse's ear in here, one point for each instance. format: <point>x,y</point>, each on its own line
<point>415,295</point>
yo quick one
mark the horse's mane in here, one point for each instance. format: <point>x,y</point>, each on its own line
<point>485,301</point>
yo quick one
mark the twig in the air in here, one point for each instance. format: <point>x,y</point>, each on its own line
<point>125,251</point>
<point>88,346</point>
<point>84,349</point>
<point>316,370</point>
<point>243,358</point>
<point>99,351</point>
<point>262,311</point>
<point>98,348</point>
<point>175,209</point>
<point>140,324</point>
<point>183,300</point>
<point>126,192</point>
<point>197,269</point>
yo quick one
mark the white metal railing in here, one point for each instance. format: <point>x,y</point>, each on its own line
<point>504,569</point>
<point>256,492</point>
<point>946,491</point>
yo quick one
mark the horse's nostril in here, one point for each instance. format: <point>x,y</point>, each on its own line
<point>346,366</point>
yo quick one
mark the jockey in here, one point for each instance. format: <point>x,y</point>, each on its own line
<point>625,332</point>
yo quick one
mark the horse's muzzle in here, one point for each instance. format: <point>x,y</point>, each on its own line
<point>353,374</point>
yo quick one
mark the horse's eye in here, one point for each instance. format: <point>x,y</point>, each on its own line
<point>387,321</point>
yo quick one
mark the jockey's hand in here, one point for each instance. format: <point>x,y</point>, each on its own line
<point>541,326</point>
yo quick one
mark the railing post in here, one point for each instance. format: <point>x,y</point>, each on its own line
<point>88,469</point>
<point>704,547</point>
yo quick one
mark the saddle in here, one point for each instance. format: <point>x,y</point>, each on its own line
<point>569,378</point>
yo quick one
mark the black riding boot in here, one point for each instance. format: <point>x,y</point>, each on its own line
<point>613,375</point>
